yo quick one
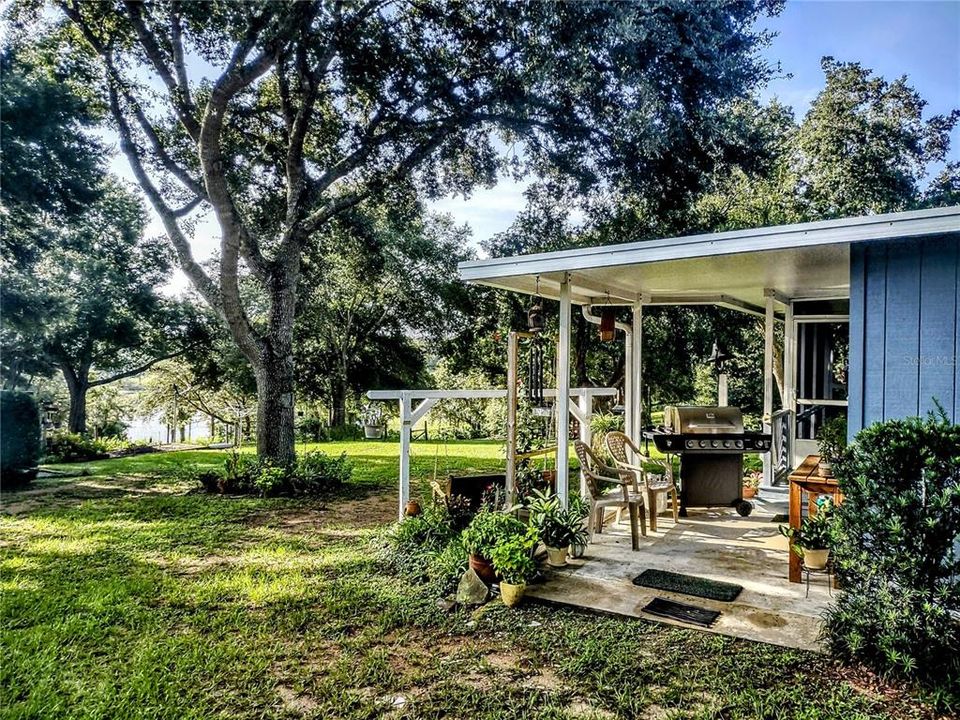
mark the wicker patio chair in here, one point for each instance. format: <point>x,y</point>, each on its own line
<point>650,483</point>
<point>598,477</point>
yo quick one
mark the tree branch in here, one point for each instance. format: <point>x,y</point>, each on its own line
<point>179,92</point>
<point>134,371</point>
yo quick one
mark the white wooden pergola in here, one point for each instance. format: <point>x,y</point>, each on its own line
<point>415,404</point>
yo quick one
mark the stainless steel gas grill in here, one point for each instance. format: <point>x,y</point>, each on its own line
<point>711,442</point>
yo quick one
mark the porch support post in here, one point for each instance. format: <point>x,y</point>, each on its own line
<point>628,383</point>
<point>768,324</point>
<point>563,393</point>
<point>790,380</point>
<point>406,424</point>
<point>636,371</point>
<point>512,343</point>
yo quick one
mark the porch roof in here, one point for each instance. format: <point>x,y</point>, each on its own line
<point>806,260</point>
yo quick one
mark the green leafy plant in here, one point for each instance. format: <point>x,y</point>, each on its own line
<point>317,472</point>
<point>832,439</point>
<point>815,531</point>
<point>270,479</point>
<point>513,558</point>
<point>487,529</point>
<point>897,551</point>
<point>20,438</point>
<point>556,525</point>
<point>65,447</point>
<point>752,479</point>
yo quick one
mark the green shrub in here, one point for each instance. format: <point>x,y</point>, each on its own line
<point>317,472</point>
<point>65,447</point>
<point>445,566</point>
<point>271,479</point>
<point>896,550</point>
<point>489,528</point>
<point>19,438</point>
<point>417,541</point>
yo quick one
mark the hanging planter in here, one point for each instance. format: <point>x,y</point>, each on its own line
<point>608,324</point>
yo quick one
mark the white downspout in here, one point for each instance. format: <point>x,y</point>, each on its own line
<point>627,328</point>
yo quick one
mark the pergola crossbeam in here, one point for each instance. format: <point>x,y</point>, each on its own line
<point>579,404</point>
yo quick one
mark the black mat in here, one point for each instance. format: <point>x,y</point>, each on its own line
<point>780,518</point>
<point>688,585</point>
<point>679,611</point>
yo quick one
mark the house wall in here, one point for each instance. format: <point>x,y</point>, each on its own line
<point>904,329</point>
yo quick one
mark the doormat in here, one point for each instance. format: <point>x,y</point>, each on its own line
<point>780,518</point>
<point>688,585</point>
<point>691,614</point>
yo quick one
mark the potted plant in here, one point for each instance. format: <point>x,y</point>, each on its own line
<point>513,561</point>
<point>488,529</point>
<point>557,526</point>
<point>811,541</point>
<point>751,482</point>
<point>832,440</point>
<point>373,421</point>
<point>582,508</point>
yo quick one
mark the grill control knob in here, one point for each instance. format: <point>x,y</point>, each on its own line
<point>703,443</point>
<point>739,443</point>
<point>690,443</point>
<point>715,443</point>
<point>727,443</point>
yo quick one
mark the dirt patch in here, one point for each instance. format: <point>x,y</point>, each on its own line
<point>85,488</point>
<point>341,518</point>
<point>582,710</point>
<point>297,703</point>
<point>545,679</point>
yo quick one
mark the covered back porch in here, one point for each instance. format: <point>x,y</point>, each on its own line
<point>809,280</point>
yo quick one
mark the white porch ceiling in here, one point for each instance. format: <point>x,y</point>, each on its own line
<point>797,261</point>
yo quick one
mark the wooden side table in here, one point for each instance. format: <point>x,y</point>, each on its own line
<point>805,480</point>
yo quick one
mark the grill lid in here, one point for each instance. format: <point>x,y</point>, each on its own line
<point>701,420</point>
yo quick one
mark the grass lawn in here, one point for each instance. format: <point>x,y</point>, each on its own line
<point>127,594</point>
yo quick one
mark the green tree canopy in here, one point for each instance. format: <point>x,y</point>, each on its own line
<point>312,107</point>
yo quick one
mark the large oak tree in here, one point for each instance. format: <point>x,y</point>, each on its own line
<point>312,107</point>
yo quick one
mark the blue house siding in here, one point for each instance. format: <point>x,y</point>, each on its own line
<point>904,329</point>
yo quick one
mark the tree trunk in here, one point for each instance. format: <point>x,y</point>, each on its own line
<point>338,399</point>
<point>78,382</point>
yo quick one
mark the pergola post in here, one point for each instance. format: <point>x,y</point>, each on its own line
<point>563,393</point>
<point>790,380</point>
<point>636,371</point>
<point>768,324</point>
<point>406,425</point>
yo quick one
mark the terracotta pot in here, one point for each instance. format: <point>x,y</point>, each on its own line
<point>483,568</point>
<point>749,492</point>
<point>512,594</point>
<point>815,559</point>
<point>556,557</point>
<point>412,508</point>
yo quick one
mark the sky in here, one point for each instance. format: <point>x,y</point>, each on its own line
<point>917,38</point>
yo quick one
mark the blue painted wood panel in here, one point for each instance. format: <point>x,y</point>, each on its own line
<point>904,329</point>
<point>874,332</point>
<point>901,343</point>
<point>938,323</point>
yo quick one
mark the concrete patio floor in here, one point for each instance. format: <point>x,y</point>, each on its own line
<point>712,543</point>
